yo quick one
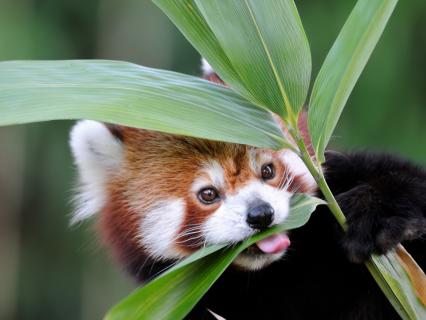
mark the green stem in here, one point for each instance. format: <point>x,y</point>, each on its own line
<point>318,174</point>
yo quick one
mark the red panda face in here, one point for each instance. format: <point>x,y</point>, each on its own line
<point>164,196</point>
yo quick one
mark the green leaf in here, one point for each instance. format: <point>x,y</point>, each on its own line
<point>128,94</point>
<point>188,18</point>
<point>343,66</point>
<point>174,294</point>
<point>258,47</point>
<point>396,285</point>
<point>414,272</point>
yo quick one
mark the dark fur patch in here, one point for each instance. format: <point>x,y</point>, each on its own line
<point>383,197</point>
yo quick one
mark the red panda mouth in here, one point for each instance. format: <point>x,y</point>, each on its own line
<point>274,244</point>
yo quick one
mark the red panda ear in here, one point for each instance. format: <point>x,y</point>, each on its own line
<point>209,74</point>
<point>98,154</point>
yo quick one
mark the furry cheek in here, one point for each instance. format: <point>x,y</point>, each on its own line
<point>159,228</point>
<point>191,234</point>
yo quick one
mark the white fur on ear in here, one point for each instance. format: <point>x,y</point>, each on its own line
<point>206,67</point>
<point>98,154</point>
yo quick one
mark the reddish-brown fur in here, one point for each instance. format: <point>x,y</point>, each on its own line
<point>164,166</point>
<point>214,77</point>
<point>118,226</point>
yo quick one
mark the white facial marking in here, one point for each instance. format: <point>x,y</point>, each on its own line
<point>160,226</point>
<point>228,223</point>
<point>199,184</point>
<point>98,155</point>
<point>258,158</point>
<point>296,167</point>
<point>216,174</point>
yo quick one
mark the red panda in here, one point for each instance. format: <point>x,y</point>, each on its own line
<point>164,196</point>
<point>160,197</point>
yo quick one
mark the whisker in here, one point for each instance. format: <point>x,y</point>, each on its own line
<point>183,234</point>
<point>284,177</point>
<point>189,239</point>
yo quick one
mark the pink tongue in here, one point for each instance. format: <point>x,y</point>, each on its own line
<point>274,244</point>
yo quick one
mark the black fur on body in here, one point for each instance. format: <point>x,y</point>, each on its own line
<point>320,277</point>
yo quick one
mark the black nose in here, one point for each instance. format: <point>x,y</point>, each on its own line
<point>260,215</point>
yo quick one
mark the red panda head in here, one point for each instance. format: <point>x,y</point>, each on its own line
<point>163,196</point>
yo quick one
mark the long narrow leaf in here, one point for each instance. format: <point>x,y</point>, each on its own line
<point>128,94</point>
<point>343,66</point>
<point>414,272</point>
<point>259,46</point>
<point>182,286</point>
<point>397,285</point>
<point>188,18</point>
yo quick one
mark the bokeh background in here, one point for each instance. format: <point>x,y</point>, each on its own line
<point>51,271</point>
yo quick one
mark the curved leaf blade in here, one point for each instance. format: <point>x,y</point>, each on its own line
<point>181,287</point>
<point>343,66</point>
<point>397,285</point>
<point>415,274</point>
<point>258,47</point>
<point>132,95</point>
<point>267,46</point>
<point>189,20</point>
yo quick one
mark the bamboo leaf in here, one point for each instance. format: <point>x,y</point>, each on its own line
<point>181,287</point>
<point>343,66</point>
<point>128,94</point>
<point>189,20</point>
<point>414,272</point>
<point>396,284</point>
<point>258,47</point>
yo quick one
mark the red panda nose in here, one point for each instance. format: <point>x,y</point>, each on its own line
<point>260,215</point>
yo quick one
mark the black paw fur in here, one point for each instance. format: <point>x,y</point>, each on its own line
<point>383,198</point>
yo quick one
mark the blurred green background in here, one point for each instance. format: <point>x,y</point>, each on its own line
<point>51,271</point>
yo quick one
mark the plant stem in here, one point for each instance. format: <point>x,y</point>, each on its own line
<point>318,174</point>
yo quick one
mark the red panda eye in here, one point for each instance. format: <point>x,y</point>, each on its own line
<point>208,195</point>
<point>268,171</point>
